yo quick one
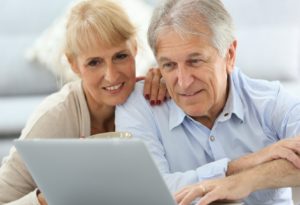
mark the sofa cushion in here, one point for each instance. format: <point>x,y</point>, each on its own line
<point>30,16</point>
<point>15,111</point>
<point>270,53</point>
<point>263,27</point>
<point>19,77</point>
<point>21,22</point>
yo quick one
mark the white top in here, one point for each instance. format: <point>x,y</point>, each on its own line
<point>63,114</point>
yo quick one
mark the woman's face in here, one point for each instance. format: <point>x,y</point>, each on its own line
<point>107,73</point>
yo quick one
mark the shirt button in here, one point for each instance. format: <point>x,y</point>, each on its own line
<point>226,114</point>
<point>212,138</point>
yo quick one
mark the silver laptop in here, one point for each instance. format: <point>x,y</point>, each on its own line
<point>94,171</point>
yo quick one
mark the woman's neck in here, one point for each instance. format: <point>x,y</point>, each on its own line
<point>102,119</point>
<point>102,116</point>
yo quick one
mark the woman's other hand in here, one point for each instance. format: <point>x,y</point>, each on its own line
<point>41,198</point>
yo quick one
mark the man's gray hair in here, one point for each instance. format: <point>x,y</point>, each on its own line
<point>185,17</point>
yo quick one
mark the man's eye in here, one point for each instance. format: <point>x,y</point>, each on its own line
<point>168,66</point>
<point>195,62</point>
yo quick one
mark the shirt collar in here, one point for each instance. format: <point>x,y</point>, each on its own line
<point>176,115</point>
<point>233,105</point>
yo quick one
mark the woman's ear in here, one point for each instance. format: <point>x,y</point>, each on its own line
<point>73,64</point>
<point>133,45</point>
<point>135,50</point>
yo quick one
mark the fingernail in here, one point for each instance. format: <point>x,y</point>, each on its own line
<point>147,96</point>
<point>158,102</point>
<point>152,102</point>
<point>165,98</point>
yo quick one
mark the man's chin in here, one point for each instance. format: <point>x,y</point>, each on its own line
<point>193,111</point>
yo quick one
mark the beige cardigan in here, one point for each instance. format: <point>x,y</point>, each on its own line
<point>62,115</point>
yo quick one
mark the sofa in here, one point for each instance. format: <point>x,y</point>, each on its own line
<point>268,34</point>
<point>23,84</point>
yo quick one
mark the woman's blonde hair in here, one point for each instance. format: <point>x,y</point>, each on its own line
<point>96,21</point>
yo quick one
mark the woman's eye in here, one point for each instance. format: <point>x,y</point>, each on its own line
<point>121,56</point>
<point>93,63</point>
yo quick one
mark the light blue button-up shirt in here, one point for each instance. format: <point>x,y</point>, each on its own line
<point>257,113</point>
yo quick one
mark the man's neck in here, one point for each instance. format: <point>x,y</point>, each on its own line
<point>209,119</point>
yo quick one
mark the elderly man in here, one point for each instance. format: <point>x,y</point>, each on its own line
<point>219,122</point>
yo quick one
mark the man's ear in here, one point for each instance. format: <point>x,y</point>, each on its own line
<point>73,63</point>
<point>230,56</point>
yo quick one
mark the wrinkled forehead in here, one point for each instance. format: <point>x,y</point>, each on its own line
<point>176,36</point>
<point>171,41</point>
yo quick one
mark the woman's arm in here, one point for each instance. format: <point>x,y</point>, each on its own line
<point>16,185</point>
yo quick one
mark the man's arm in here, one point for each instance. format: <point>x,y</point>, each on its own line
<point>288,149</point>
<point>274,174</point>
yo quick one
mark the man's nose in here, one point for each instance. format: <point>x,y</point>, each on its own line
<point>185,78</point>
<point>111,73</point>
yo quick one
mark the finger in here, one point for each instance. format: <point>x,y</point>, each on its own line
<point>147,84</point>
<point>181,195</point>
<point>293,158</point>
<point>289,155</point>
<point>184,191</point>
<point>42,199</point>
<point>137,79</point>
<point>293,145</point>
<point>209,198</point>
<point>168,95</point>
<point>162,92</point>
<point>155,85</point>
<point>192,195</point>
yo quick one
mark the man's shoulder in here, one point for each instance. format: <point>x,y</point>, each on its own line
<point>136,95</point>
<point>253,88</point>
<point>265,96</point>
<point>137,101</point>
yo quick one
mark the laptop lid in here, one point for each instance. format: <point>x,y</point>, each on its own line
<point>94,171</point>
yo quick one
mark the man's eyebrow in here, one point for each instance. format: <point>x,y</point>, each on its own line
<point>163,59</point>
<point>196,54</point>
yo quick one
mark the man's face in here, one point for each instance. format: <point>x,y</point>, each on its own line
<point>195,74</point>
